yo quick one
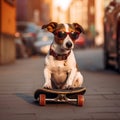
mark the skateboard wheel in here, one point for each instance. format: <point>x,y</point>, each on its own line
<point>42,99</point>
<point>80,100</point>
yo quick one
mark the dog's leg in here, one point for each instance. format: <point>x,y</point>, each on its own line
<point>47,75</point>
<point>78,80</point>
<point>75,79</point>
<point>69,82</point>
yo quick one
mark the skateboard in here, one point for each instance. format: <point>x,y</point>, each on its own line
<point>44,95</point>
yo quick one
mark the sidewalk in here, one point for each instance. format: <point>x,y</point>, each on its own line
<point>19,81</point>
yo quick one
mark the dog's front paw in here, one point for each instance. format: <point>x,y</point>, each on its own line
<point>47,85</point>
<point>68,87</point>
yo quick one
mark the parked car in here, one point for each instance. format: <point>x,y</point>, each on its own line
<point>44,39</point>
<point>28,32</point>
<point>80,42</point>
<point>112,36</point>
<point>20,47</point>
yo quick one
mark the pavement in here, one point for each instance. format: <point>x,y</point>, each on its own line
<point>18,82</point>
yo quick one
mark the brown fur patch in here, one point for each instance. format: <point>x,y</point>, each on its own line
<point>76,83</point>
<point>71,28</point>
<point>60,27</point>
<point>77,67</point>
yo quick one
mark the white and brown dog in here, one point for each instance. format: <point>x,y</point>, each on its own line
<point>60,65</point>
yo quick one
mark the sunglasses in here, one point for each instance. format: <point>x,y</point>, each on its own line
<point>63,34</point>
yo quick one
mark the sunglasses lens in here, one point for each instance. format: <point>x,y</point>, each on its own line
<point>61,34</point>
<point>74,35</point>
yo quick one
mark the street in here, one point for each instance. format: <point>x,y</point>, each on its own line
<point>19,81</point>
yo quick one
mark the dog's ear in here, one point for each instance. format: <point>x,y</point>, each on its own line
<point>50,27</point>
<point>78,27</point>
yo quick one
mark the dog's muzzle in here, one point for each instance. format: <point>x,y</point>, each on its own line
<point>68,44</point>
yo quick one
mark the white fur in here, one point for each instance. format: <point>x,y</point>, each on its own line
<point>66,27</point>
<point>67,39</point>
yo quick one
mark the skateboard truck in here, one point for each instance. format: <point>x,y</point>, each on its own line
<point>63,98</point>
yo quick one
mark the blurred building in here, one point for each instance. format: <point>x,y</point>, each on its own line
<point>106,2</point>
<point>90,14</point>
<point>78,12</point>
<point>37,11</point>
<point>99,21</point>
<point>60,11</point>
<point>7,31</point>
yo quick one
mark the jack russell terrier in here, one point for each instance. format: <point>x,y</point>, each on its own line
<point>61,70</point>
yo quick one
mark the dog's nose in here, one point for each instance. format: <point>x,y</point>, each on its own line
<point>68,44</point>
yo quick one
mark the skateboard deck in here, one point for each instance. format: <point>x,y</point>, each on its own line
<point>60,95</point>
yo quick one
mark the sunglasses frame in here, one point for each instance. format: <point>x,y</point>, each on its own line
<point>67,33</point>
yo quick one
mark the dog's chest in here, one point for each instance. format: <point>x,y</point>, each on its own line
<point>60,66</point>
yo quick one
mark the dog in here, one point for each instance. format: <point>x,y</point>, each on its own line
<point>61,71</point>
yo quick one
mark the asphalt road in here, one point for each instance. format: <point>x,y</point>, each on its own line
<point>19,81</point>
